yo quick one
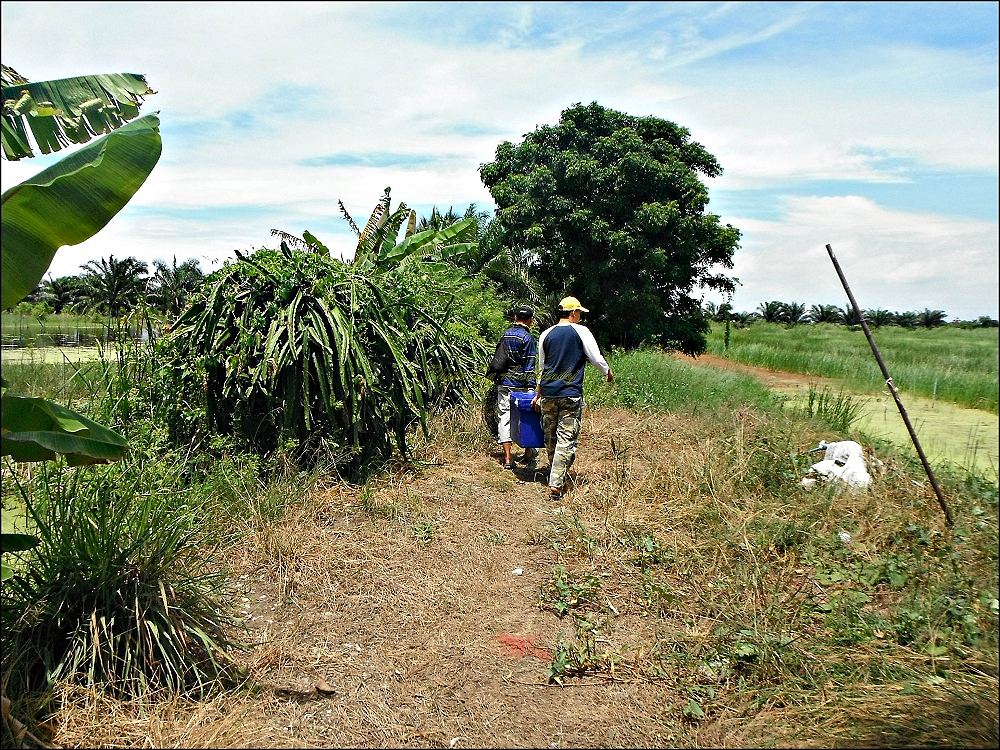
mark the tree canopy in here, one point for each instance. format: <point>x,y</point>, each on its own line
<point>611,208</point>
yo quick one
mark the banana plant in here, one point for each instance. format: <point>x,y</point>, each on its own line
<point>377,246</point>
<point>65,204</point>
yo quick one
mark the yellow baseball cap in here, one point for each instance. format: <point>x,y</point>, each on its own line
<point>567,304</point>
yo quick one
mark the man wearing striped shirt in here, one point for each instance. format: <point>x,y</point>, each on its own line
<point>519,376</point>
<point>563,353</point>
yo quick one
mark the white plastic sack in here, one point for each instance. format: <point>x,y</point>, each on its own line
<point>843,461</point>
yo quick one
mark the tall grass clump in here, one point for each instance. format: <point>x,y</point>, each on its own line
<point>66,381</point>
<point>120,593</point>
<point>840,410</point>
<point>650,379</point>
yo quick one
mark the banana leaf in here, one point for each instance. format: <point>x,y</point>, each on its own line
<point>71,201</point>
<point>38,430</point>
<point>68,110</point>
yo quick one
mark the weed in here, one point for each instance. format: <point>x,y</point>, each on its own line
<point>116,593</point>
<point>495,537</point>
<point>566,533</point>
<point>565,591</point>
<point>840,411</point>
<point>423,532</point>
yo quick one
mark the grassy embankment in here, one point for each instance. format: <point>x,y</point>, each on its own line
<point>688,567</point>
<point>950,364</point>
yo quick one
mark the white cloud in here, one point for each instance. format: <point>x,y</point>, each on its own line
<point>892,259</point>
<point>271,85</point>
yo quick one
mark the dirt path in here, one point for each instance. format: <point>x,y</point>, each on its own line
<point>770,378</point>
<point>416,609</point>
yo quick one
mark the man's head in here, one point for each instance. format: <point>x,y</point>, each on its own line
<point>570,307</point>
<point>523,314</point>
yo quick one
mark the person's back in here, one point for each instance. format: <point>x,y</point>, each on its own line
<point>564,361</point>
<point>514,367</point>
<point>520,345</point>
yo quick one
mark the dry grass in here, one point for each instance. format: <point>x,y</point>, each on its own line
<point>375,615</point>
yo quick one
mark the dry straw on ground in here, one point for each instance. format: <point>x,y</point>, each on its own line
<point>382,616</point>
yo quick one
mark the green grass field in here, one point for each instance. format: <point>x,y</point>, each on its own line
<point>947,364</point>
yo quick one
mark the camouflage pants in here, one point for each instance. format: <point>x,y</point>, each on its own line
<point>561,421</point>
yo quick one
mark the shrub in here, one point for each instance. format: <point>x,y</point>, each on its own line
<point>297,346</point>
<point>116,593</point>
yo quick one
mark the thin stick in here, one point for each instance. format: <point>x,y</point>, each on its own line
<point>893,391</point>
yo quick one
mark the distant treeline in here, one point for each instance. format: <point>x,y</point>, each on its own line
<point>796,313</point>
<point>115,288</point>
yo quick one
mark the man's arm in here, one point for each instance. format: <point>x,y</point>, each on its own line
<point>539,366</point>
<point>593,352</point>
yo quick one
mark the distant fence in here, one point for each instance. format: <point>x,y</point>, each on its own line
<point>80,337</point>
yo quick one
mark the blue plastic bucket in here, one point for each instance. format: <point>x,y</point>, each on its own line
<point>525,422</point>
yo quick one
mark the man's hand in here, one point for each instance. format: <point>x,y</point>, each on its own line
<point>534,402</point>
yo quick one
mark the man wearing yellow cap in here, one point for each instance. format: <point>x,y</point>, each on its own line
<point>563,353</point>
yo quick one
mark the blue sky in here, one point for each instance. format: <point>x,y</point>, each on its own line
<point>869,126</point>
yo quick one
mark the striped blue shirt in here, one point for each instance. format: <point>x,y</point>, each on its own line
<point>520,346</point>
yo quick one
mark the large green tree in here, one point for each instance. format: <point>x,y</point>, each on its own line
<point>611,208</point>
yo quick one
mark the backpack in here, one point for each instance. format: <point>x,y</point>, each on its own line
<point>500,363</point>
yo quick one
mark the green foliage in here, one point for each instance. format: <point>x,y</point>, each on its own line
<point>647,379</point>
<point>950,364</point>
<point>71,201</point>
<point>840,410</point>
<point>38,430</point>
<point>69,110</point>
<point>116,594</point>
<point>566,591</point>
<point>341,358</point>
<point>611,208</point>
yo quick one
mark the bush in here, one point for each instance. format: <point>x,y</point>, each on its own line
<point>297,346</point>
<point>116,594</point>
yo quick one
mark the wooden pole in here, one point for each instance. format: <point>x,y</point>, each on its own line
<point>892,389</point>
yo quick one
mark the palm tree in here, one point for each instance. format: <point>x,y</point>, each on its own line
<point>170,286</point>
<point>510,271</point>
<point>906,319</point>
<point>438,220</point>
<point>931,318</point>
<point>114,286</point>
<point>849,317</point>
<point>63,293</point>
<point>793,313</point>
<point>743,319</point>
<point>825,314</point>
<point>772,312</point>
<point>879,317</point>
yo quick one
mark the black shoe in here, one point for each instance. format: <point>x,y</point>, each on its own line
<point>509,466</point>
